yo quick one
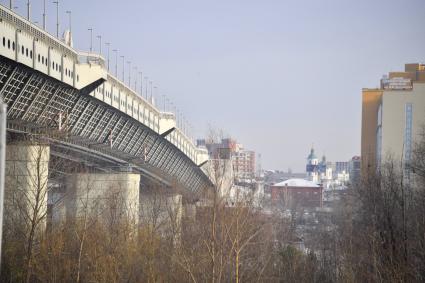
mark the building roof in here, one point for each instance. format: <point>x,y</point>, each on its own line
<point>297,183</point>
<point>311,155</point>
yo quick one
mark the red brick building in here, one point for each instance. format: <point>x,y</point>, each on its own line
<point>297,193</point>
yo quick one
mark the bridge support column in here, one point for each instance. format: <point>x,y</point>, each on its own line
<point>27,168</point>
<point>162,211</point>
<point>113,198</point>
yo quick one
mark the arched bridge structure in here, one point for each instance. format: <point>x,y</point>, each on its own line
<point>49,86</point>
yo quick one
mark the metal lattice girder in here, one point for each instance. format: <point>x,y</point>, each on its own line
<point>42,116</point>
<point>92,122</point>
<point>13,106</point>
<point>144,144</point>
<point>136,137</point>
<point>134,149</point>
<point>101,125</point>
<point>186,171</point>
<point>175,165</point>
<point>121,132</point>
<point>77,109</point>
<point>161,153</point>
<point>128,137</point>
<point>4,70</point>
<point>169,162</point>
<point>39,100</point>
<point>113,121</point>
<point>189,176</point>
<point>178,167</point>
<point>167,154</point>
<point>61,102</point>
<point>23,102</point>
<point>83,118</point>
<point>157,152</point>
<point>14,83</point>
<point>153,149</point>
<point>35,104</point>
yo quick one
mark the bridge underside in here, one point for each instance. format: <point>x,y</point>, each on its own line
<point>79,126</point>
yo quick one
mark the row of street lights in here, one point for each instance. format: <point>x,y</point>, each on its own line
<point>168,106</point>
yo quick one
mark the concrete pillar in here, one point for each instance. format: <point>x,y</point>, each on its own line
<point>162,212</point>
<point>27,168</point>
<point>112,196</point>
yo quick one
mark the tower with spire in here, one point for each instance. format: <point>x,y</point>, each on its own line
<point>312,166</point>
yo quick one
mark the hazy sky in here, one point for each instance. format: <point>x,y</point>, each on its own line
<point>276,75</point>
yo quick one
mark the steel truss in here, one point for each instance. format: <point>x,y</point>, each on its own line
<point>38,101</point>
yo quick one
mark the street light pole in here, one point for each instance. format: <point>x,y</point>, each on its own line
<point>123,67</point>
<point>135,80</point>
<point>57,18</point>
<point>28,10</point>
<point>129,73</point>
<point>116,62</point>
<point>44,14</point>
<point>108,44</point>
<point>91,39</point>
<point>146,88</point>
<point>100,44</point>
<point>141,83</point>
<point>69,19</point>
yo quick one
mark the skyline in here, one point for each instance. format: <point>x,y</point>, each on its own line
<point>268,51</point>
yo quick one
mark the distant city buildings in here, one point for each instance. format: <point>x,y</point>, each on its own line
<point>318,172</point>
<point>297,193</point>
<point>392,117</point>
<point>243,160</point>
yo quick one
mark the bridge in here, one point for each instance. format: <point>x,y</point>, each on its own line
<point>49,87</point>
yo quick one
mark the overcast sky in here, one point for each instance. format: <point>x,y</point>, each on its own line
<point>278,76</point>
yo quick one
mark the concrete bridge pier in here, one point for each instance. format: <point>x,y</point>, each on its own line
<point>111,197</point>
<point>161,211</point>
<point>26,184</point>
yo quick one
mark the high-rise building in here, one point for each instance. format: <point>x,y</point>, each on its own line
<point>243,161</point>
<point>392,116</point>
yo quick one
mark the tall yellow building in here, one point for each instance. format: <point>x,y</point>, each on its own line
<point>393,116</point>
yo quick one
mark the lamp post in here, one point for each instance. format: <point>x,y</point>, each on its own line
<point>91,39</point>
<point>123,67</point>
<point>69,19</point>
<point>116,62</point>
<point>146,88</point>
<point>150,88</point>
<point>108,44</point>
<point>100,44</point>
<point>141,83</point>
<point>129,73</point>
<point>57,18</point>
<point>44,14</point>
<point>28,10</point>
<point>135,80</point>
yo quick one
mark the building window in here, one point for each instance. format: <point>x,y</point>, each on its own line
<point>31,54</point>
<point>38,58</point>
<point>13,46</point>
<point>22,50</point>
<point>26,52</point>
<point>8,43</point>
<point>4,41</point>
